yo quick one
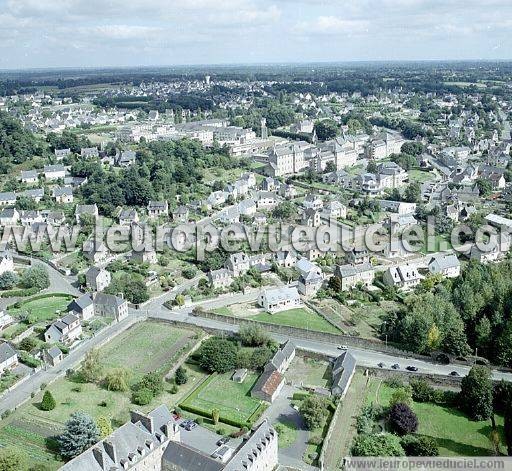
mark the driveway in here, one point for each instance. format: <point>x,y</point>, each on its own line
<point>281,410</point>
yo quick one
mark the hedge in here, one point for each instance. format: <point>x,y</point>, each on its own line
<point>19,293</point>
<point>300,395</point>
<point>19,304</point>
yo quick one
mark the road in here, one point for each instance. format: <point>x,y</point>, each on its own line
<point>155,309</point>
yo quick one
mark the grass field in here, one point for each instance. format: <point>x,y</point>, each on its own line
<point>145,347</point>
<point>232,399</point>
<point>420,176</point>
<point>455,434</point>
<point>287,431</point>
<point>309,372</point>
<point>44,308</point>
<point>301,317</point>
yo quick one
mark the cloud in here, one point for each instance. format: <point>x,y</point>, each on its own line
<point>332,25</point>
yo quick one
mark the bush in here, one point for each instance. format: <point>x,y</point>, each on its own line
<point>174,389</point>
<point>402,419</point>
<point>28,359</point>
<point>35,277</point>
<point>142,397</point>
<point>189,272</point>
<point>28,344</point>
<point>151,381</point>
<point>422,391</point>
<point>384,444</point>
<point>419,446</point>
<point>314,411</point>
<point>300,395</point>
<point>394,382</point>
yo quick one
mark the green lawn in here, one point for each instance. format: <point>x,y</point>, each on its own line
<point>232,399</point>
<point>455,434</point>
<point>287,431</point>
<point>44,308</point>
<point>145,347</point>
<point>420,176</point>
<point>300,317</point>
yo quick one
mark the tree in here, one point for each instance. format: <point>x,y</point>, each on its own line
<point>28,344</point>
<point>413,148</point>
<point>402,419</point>
<point>48,403</point>
<point>117,379</point>
<point>284,210</point>
<point>401,395</point>
<point>314,411</point>
<point>215,416</point>
<point>81,433</point>
<point>372,166</point>
<point>217,355</point>
<point>104,426</point>
<point>384,444</point>
<point>189,272</point>
<point>151,381</point>
<point>412,193</point>
<point>12,459</point>
<point>253,336</point>
<point>484,186</point>
<point>8,280</point>
<point>433,337</point>
<point>476,393</point>
<point>507,426</point>
<point>91,367</point>
<point>35,277</point>
<point>419,446</point>
<point>326,129</point>
<point>180,376</point>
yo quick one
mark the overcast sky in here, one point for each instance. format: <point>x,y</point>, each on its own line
<point>56,33</point>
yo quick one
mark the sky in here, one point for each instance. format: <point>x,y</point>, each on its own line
<point>98,33</point>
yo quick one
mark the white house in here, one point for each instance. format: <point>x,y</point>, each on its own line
<point>8,357</point>
<point>402,276</point>
<point>279,299</point>
<point>54,172</point>
<point>97,279</point>
<point>6,263</point>
<point>447,265</point>
<point>353,275</point>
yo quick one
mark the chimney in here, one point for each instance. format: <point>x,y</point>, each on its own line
<point>98,455</point>
<point>172,431</point>
<point>145,420</point>
<point>111,450</point>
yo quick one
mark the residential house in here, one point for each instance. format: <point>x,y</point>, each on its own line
<point>126,158</point>
<point>8,198</point>
<point>309,283</point>
<point>279,299</point>
<point>54,172</point>
<point>157,209</point>
<point>221,278</point>
<point>9,217</point>
<point>180,214</point>
<point>334,210</point>
<point>86,209</point>
<point>61,153</point>
<point>63,194</point>
<point>313,201</point>
<point>128,216</point>
<point>311,217</point>
<point>8,358</point>
<point>109,305</point>
<point>358,255</point>
<point>89,152</point>
<point>447,265</point>
<point>83,307</point>
<point>238,264</point>
<point>265,200</point>
<point>29,176</point>
<point>144,256</point>
<point>247,207</point>
<point>34,194</point>
<point>97,279</point>
<point>65,330</point>
<point>54,355</point>
<point>95,253</point>
<point>354,275</point>
<point>54,218</point>
<point>402,277</point>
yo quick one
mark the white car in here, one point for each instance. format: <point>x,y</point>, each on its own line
<point>342,347</point>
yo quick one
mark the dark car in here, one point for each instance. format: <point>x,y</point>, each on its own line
<point>223,441</point>
<point>412,368</point>
<point>396,366</point>
<point>381,365</point>
<point>454,373</point>
<point>190,426</point>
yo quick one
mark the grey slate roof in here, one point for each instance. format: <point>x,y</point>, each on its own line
<point>80,303</point>
<point>342,371</point>
<point>6,352</point>
<point>186,458</point>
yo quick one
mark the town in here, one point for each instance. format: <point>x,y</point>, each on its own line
<point>255,359</point>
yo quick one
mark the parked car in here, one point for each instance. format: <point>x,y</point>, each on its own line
<point>381,365</point>
<point>396,366</point>
<point>185,423</point>
<point>342,347</point>
<point>191,425</point>
<point>223,441</point>
<point>412,368</point>
<point>454,373</point>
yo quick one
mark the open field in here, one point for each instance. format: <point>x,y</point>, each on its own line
<point>46,308</point>
<point>232,399</point>
<point>147,346</point>
<point>420,176</point>
<point>454,432</point>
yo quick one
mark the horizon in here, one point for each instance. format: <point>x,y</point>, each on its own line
<point>92,33</point>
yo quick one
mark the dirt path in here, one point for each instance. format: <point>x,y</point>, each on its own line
<point>344,428</point>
